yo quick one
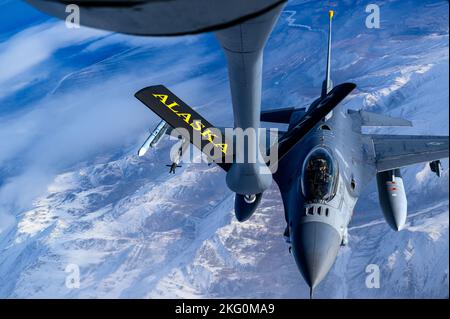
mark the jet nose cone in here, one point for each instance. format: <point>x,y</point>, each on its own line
<point>315,246</point>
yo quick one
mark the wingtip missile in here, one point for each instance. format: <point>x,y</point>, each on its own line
<point>145,147</point>
<point>153,138</point>
<point>142,151</point>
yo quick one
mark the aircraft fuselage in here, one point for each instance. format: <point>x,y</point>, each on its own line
<point>320,181</point>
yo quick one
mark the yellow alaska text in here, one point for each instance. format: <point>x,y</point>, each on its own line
<point>197,125</point>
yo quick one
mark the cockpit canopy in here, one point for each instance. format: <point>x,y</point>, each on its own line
<point>319,175</point>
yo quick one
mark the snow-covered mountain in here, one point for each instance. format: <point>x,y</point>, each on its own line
<point>73,191</point>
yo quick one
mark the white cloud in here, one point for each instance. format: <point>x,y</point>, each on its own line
<point>34,45</point>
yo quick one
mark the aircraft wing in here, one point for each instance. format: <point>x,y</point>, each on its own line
<point>395,151</point>
<point>158,17</point>
<point>188,123</point>
<point>279,115</point>
<point>312,117</point>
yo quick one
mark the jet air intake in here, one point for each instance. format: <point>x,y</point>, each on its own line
<point>392,197</point>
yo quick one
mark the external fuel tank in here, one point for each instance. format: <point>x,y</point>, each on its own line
<point>392,197</point>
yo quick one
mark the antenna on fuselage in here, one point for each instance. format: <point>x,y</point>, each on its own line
<point>327,84</point>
